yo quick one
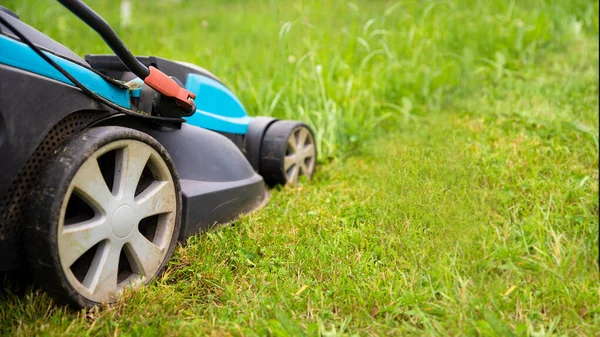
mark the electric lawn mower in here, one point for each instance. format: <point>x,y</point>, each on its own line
<point>108,161</point>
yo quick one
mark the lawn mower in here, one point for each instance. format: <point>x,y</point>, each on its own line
<point>108,161</point>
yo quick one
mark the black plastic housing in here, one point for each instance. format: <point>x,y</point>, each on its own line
<point>37,114</point>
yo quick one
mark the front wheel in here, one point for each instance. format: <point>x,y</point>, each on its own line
<point>288,151</point>
<point>105,216</point>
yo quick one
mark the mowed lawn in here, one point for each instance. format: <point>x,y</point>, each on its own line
<point>457,192</point>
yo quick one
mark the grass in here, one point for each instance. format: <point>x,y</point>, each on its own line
<point>458,192</point>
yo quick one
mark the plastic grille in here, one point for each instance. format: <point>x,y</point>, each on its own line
<point>13,204</point>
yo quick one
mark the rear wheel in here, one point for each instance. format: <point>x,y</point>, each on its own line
<point>288,151</point>
<point>105,216</point>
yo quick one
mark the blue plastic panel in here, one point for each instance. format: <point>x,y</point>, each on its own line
<point>17,54</point>
<point>217,108</point>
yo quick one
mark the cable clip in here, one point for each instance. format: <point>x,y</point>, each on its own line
<point>162,83</point>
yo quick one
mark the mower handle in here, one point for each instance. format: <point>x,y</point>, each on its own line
<point>153,77</point>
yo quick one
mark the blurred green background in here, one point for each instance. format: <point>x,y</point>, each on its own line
<point>344,67</point>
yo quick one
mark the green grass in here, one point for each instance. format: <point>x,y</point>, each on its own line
<point>458,192</point>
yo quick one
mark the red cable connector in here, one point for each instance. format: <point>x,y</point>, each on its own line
<point>162,83</point>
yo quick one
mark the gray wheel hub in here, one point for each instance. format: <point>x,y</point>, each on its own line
<point>113,233</point>
<point>300,155</point>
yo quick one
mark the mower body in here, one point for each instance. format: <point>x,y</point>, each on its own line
<point>40,109</point>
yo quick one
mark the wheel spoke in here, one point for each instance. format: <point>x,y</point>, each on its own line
<point>101,279</point>
<point>131,161</point>
<point>292,143</point>
<point>144,256</point>
<point>309,150</point>
<point>304,169</point>
<point>91,186</point>
<point>77,239</point>
<point>288,161</point>
<point>303,134</point>
<point>293,174</point>
<point>158,198</point>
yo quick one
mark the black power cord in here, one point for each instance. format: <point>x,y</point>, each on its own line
<point>80,85</point>
<point>97,23</point>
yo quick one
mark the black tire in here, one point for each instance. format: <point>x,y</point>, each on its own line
<point>277,144</point>
<point>52,206</point>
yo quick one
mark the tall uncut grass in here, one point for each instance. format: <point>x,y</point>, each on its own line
<point>349,69</point>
